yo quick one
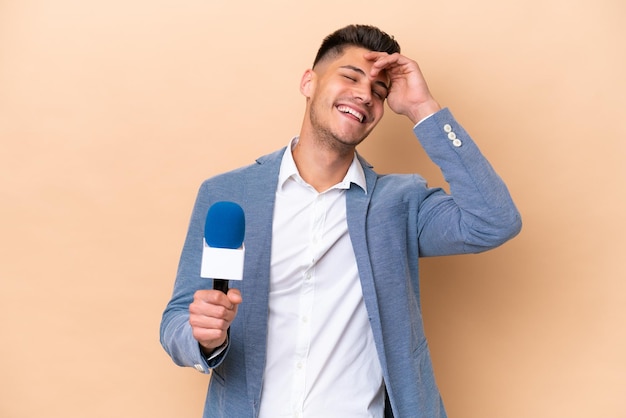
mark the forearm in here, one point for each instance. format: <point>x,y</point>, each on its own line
<point>178,341</point>
<point>480,211</point>
<point>176,331</point>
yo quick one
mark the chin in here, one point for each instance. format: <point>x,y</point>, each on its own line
<point>350,141</point>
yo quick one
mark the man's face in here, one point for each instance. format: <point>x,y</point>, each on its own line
<point>345,102</point>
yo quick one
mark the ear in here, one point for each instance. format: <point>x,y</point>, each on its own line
<point>307,83</point>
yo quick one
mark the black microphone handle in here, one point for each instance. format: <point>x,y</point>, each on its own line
<point>220,284</point>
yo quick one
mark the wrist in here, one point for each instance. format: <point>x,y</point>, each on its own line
<point>210,353</point>
<point>423,110</point>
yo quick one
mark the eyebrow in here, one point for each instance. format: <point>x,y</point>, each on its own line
<point>360,71</point>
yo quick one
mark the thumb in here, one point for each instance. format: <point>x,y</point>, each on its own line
<point>234,295</point>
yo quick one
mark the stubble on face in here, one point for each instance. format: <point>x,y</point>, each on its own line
<point>329,131</point>
<point>329,139</point>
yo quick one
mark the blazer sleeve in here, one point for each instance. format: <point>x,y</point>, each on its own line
<point>479,213</point>
<point>175,333</point>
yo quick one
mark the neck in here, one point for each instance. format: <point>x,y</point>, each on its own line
<point>321,166</point>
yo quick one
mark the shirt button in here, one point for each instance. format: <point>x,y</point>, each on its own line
<point>447,128</point>
<point>457,143</point>
<point>451,136</point>
<point>199,367</point>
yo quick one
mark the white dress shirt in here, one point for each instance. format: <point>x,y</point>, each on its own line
<point>321,358</point>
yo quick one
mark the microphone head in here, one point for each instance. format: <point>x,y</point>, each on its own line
<point>225,225</point>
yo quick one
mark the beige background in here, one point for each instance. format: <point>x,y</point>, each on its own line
<point>113,112</point>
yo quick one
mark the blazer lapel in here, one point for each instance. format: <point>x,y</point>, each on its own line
<point>259,198</point>
<point>357,205</point>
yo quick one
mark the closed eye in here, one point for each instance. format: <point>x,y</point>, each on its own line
<point>381,96</point>
<point>379,90</point>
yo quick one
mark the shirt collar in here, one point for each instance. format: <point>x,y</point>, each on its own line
<point>288,170</point>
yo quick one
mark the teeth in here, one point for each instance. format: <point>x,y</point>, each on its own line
<point>346,109</point>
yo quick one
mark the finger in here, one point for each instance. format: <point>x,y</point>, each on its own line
<point>388,63</point>
<point>209,338</point>
<point>198,321</point>
<point>207,335</point>
<point>379,58</point>
<point>213,297</point>
<point>202,309</point>
<point>373,55</point>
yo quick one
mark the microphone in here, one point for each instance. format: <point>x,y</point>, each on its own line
<point>223,250</point>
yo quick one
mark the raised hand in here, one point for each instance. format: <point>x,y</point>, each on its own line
<point>409,94</point>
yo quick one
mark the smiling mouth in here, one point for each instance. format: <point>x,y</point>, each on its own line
<point>348,110</point>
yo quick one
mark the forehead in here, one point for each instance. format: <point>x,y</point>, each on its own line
<point>353,57</point>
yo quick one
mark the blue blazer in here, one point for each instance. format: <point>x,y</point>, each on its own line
<point>397,221</point>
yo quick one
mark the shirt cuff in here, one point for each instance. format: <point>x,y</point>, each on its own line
<point>417,124</point>
<point>219,350</point>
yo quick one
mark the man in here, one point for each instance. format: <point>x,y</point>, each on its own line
<point>327,321</point>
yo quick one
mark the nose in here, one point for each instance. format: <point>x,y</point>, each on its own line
<point>363,92</point>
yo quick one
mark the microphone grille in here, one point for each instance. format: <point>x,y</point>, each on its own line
<point>225,225</point>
